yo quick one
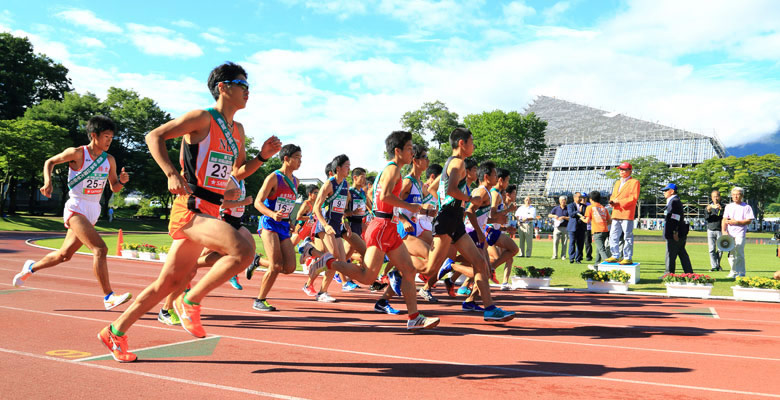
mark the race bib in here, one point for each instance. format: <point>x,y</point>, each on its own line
<point>284,205</point>
<point>339,204</point>
<point>218,170</point>
<point>358,207</point>
<point>94,183</point>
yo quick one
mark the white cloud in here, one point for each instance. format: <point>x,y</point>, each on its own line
<point>516,12</point>
<point>442,16</point>
<point>223,49</point>
<point>6,17</point>
<point>552,14</point>
<point>342,8</point>
<point>91,42</point>
<point>183,23</point>
<point>87,19</point>
<point>160,41</point>
<point>212,38</point>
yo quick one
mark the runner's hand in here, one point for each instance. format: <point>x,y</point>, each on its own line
<point>46,189</point>
<point>271,146</point>
<point>232,194</point>
<point>414,208</point>
<point>248,200</point>
<point>329,230</point>
<point>124,177</point>
<point>177,185</point>
<point>408,226</point>
<point>278,216</point>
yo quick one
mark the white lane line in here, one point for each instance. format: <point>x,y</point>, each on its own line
<point>491,336</point>
<point>714,313</point>
<point>155,376</point>
<point>147,348</point>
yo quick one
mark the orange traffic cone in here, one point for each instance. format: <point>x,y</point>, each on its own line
<point>119,241</point>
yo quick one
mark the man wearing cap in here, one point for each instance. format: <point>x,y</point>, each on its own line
<point>625,194</point>
<point>585,201</point>
<point>675,231</point>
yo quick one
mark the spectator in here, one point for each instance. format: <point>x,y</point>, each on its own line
<point>598,219</point>
<point>526,215</point>
<point>510,197</point>
<point>675,231</point>
<point>625,194</point>
<point>110,214</point>
<point>714,217</point>
<point>576,228</point>
<point>736,217</point>
<point>588,236</point>
<point>560,218</point>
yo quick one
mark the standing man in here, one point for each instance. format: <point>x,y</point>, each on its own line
<point>584,200</point>
<point>560,220</point>
<point>736,217</point>
<point>675,231</point>
<point>526,215</point>
<point>714,216</point>
<point>111,214</point>
<point>576,228</point>
<point>625,194</point>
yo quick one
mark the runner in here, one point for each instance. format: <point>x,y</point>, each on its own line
<point>304,220</point>
<point>88,169</point>
<point>308,287</point>
<point>355,213</point>
<point>504,249</point>
<point>382,237</point>
<point>276,200</point>
<point>212,147</point>
<point>449,229</point>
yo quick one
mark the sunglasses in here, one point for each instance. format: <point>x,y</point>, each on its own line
<point>240,82</point>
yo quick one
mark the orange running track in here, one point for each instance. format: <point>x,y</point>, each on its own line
<point>562,345</point>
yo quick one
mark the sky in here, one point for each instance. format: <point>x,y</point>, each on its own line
<point>335,76</point>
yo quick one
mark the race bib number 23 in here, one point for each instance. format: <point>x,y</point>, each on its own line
<point>218,170</point>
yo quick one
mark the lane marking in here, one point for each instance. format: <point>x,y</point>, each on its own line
<point>714,313</point>
<point>155,376</point>
<point>68,353</point>
<point>146,349</point>
<point>489,336</point>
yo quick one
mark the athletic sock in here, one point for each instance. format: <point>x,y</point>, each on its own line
<point>190,302</point>
<point>116,332</point>
<point>490,308</point>
<point>381,302</point>
<point>329,263</point>
<point>107,296</point>
<point>413,316</point>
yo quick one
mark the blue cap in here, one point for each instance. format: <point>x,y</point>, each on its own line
<point>669,186</point>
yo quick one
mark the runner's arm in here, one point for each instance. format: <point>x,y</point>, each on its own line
<point>116,183</point>
<point>269,185</point>
<point>325,191</point>
<point>69,155</point>
<point>472,216</point>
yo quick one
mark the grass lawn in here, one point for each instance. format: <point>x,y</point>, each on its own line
<point>761,261</point>
<point>659,233</point>
<point>54,224</point>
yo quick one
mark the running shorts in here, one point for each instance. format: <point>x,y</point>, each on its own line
<point>383,234</point>
<point>89,209</point>
<point>281,228</point>
<point>184,210</point>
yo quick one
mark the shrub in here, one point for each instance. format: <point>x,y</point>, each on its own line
<point>147,248</point>
<point>533,272</point>
<point>688,278</point>
<point>604,276</point>
<point>758,282</point>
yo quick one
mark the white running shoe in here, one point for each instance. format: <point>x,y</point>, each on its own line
<point>24,274</point>
<point>505,287</point>
<point>427,296</point>
<point>115,300</point>
<point>731,274</point>
<point>306,251</point>
<point>317,266</point>
<point>325,298</point>
<point>421,322</point>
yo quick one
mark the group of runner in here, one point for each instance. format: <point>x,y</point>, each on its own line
<point>436,229</point>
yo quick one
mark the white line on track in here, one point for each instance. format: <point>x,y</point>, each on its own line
<point>149,348</point>
<point>416,359</point>
<point>714,313</point>
<point>155,376</point>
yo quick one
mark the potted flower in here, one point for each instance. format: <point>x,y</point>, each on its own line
<point>162,252</point>
<point>531,277</point>
<point>606,281</point>
<point>129,250</point>
<point>147,252</point>
<point>688,285</point>
<point>757,288</point>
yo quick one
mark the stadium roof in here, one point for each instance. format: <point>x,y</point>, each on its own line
<point>569,122</point>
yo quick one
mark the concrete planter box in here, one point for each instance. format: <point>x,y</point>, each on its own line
<point>606,287</point>
<point>147,256</point>
<point>688,290</point>
<point>130,253</point>
<point>758,294</point>
<point>631,269</point>
<point>522,282</point>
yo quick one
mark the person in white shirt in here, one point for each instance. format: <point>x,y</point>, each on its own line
<point>526,215</point>
<point>736,217</point>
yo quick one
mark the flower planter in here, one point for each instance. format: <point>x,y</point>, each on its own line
<point>605,287</point>
<point>758,294</point>
<point>688,290</point>
<point>162,256</point>
<point>147,256</point>
<point>631,269</point>
<point>522,282</point>
<point>129,253</point>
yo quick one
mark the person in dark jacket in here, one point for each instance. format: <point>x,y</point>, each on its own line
<point>576,228</point>
<point>714,216</point>
<point>675,231</point>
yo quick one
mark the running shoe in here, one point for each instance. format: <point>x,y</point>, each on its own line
<point>498,315</point>
<point>464,291</point>
<point>117,345</point>
<point>164,317</point>
<point>385,308</point>
<point>349,286</point>
<point>471,306</point>
<point>250,270</point>
<point>506,287</point>
<point>309,290</point>
<point>375,286</point>
<point>421,322</point>
<point>337,278</point>
<point>305,250</point>
<point>174,317</point>
<point>234,282</point>
<point>26,272</point>
<point>493,276</point>
<point>395,281</point>
<point>114,300</point>
<point>190,317</point>
<point>384,279</point>
<point>445,269</point>
<point>427,296</point>
<point>325,298</point>
<point>422,278</point>
<point>450,287</point>
<point>611,260</point>
<point>317,266</point>
<point>263,305</point>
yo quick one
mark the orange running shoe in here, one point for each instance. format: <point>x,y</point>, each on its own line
<point>189,316</point>
<point>117,345</point>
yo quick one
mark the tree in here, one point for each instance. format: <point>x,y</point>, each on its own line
<point>25,147</point>
<point>27,78</point>
<point>434,121</point>
<point>511,140</point>
<point>71,113</point>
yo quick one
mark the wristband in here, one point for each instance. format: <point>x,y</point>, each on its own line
<point>260,157</point>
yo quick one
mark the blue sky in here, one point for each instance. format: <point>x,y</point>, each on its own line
<point>335,76</point>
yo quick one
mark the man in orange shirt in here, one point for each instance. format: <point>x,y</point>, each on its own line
<point>598,217</point>
<point>625,194</point>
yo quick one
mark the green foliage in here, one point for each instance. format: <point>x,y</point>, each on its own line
<point>688,278</point>
<point>604,276</point>
<point>511,140</point>
<point>758,282</point>
<point>71,113</point>
<point>27,78</point>
<point>533,272</point>
<point>432,120</point>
